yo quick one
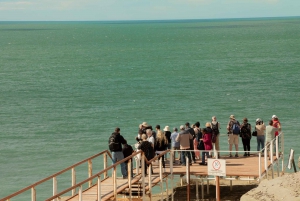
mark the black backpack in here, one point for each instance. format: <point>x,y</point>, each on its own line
<point>113,143</point>
<point>215,128</point>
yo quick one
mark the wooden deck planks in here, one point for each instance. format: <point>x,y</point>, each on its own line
<point>236,167</point>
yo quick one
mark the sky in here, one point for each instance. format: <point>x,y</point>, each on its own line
<point>107,10</point>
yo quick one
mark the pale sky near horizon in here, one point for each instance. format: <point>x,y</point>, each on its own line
<point>103,10</point>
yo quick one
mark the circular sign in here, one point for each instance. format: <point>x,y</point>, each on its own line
<point>216,165</point>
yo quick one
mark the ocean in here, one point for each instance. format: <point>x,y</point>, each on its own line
<point>65,86</point>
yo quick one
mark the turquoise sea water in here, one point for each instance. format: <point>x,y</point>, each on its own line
<point>66,85</point>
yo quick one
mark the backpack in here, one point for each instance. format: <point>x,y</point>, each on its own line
<point>235,127</point>
<point>113,143</point>
<point>215,132</point>
<point>245,131</point>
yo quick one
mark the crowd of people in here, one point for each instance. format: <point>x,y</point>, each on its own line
<point>192,140</point>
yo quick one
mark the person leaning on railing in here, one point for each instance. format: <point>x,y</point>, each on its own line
<point>270,135</point>
<point>260,129</point>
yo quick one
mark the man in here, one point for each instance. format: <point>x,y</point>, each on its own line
<point>114,144</point>
<point>192,132</point>
<point>184,138</point>
<point>175,145</point>
<point>150,137</point>
<point>127,151</point>
<point>233,128</point>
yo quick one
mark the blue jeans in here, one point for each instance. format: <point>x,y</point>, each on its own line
<point>260,142</point>
<point>117,156</point>
<point>203,155</point>
<point>183,154</point>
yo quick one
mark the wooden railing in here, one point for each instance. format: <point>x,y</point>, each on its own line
<point>73,177</point>
<point>114,170</point>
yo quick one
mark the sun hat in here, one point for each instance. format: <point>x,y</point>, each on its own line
<point>274,116</point>
<point>258,120</point>
<point>145,124</point>
<point>166,128</point>
<point>232,116</point>
<point>182,127</point>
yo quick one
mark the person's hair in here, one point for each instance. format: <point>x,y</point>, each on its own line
<point>175,129</point>
<point>258,123</point>
<point>245,119</point>
<point>117,129</point>
<point>271,122</point>
<point>212,118</point>
<point>148,131</point>
<point>187,124</point>
<point>157,126</point>
<point>144,137</point>
<point>207,125</point>
<point>160,137</point>
<point>125,141</point>
<point>197,124</point>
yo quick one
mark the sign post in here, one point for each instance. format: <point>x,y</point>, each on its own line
<point>217,168</point>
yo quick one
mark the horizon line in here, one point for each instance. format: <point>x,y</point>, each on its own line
<point>145,20</point>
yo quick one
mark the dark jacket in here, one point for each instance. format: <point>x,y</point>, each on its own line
<point>127,151</point>
<point>119,140</point>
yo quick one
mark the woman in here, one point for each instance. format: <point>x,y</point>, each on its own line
<point>260,129</point>
<point>160,145</point>
<point>147,148</point>
<point>206,138</point>
<point>167,133</point>
<point>246,136</point>
<point>215,126</point>
<point>197,133</point>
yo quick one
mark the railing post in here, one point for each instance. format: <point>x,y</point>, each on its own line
<point>80,194</point>
<point>171,171</point>
<point>197,191</point>
<point>259,165</point>
<point>33,194</point>
<point>149,180</point>
<point>282,150</point>
<point>105,164</point>
<point>129,176</point>
<point>266,157</point>
<point>73,181</point>
<point>54,187</point>
<point>187,177</point>
<point>115,182</point>
<point>90,170</point>
<point>143,174</point>
<point>271,151</point>
<point>99,189</point>
<point>137,165</point>
<point>277,147</point>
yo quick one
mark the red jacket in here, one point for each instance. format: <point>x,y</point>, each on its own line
<point>275,124</point>
<point>207,141</point>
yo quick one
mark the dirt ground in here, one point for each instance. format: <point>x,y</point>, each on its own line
<point>286,187</point>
